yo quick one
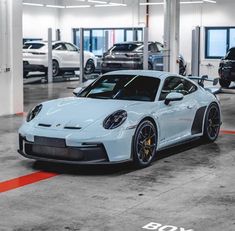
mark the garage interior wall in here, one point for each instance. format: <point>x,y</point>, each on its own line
<point>192,15</point>
<point>11,70</point>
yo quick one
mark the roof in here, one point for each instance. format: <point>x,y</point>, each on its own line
<point>147,73</point>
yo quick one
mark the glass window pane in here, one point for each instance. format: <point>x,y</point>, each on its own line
<point>118,36</point>
<point>216,42</point>
<point>139,35</point>
<point>232,38</point>
<point>129,35</point>
<point>98,42</point>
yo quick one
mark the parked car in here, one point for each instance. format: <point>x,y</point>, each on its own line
<point>65,57</point>
<point>227,68</point>
<point>129,55</point>
<point>121,116</point>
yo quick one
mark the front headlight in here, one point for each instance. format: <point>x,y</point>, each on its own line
<point>34,112</point>
<point>115,119</point>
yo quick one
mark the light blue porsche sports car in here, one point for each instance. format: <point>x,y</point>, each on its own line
<point>121,116</point>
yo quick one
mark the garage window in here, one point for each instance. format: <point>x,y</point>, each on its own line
<point>99,40</point>
<point>218,41</point>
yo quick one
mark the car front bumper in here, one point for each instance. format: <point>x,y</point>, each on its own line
<point>109,146</point>
<point>33,67</point>
<point>53,149</point>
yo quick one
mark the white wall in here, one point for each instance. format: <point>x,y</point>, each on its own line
<point>203,15</point>
<point>99,18</point>
<point>11,69</point>
<point>36,20</point>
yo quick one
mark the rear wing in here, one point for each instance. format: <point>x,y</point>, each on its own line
<point>200,80</point>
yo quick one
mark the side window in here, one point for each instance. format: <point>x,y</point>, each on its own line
<point>177,84</point>
<point>151,47</point>
<point>59,47</point>
<point>70,47</point>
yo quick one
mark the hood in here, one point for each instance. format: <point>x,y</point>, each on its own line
<point>78,113</point>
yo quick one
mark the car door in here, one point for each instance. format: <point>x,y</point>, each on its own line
<point>59,52</point>
<point>176,119</point>
<point>73,56</point>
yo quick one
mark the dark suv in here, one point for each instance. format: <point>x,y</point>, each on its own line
<point>129,55</point>
<point>227,68</point>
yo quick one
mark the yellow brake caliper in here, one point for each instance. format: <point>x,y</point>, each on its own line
<point>146,149</point>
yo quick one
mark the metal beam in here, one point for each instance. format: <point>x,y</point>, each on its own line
<point>81,52</point>
<point>49,54</point>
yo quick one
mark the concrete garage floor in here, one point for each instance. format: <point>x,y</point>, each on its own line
<point>188,188</point>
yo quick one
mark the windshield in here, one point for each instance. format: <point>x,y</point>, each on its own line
<point>33,45</point>
<point>123,87</point>
<point>124,47</point>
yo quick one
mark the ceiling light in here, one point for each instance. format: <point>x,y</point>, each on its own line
<point>96,1</point>
<point>55,6</point>
<point>192,2</point>
<point>117,4</point>
<point>111,4</point>
<point>183,2</point>
<point>79,6</point>
<point>151,3</point>
<point>211,1</point>
<point>32,4</point>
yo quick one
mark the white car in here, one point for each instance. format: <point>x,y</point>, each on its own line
<point>65,57</point>
<point>121,116</point>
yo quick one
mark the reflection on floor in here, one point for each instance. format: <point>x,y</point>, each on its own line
<point>191,187</point>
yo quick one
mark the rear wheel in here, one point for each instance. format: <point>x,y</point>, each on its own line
<point>90,67</point>
<point>212,123</point>
<point>224,83</point>
<point>26,74</point>
<point>150,66</point>
<point>145,143</point>
<point>55,68</point>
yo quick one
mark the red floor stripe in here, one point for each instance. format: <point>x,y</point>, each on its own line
<point>227,132</point>
<point>25,180</point>
<point>21,114</point>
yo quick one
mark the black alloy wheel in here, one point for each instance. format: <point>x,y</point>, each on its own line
<point>212,123</point>
<point>55,68</point>
<point>145,143</point>
<point>90,67</point>
<point>224,83</point>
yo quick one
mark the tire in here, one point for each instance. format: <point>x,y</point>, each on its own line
<point>90,67</point>
<point>224,83</point>
<point>212,123</point>
<point>144,144</point>
<point>150,66</point>
<point>25,73</point>
<point>55,68</point>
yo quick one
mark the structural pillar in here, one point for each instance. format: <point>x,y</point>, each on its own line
<point>171,35</point>
<point>11,65</point>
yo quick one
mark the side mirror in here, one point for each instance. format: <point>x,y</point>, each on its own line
<point>77,90</point>
<point>173,96</point>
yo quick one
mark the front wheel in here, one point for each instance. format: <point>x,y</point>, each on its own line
<point>212,123</point>
<point>90,67</point>
<point>55,68</point>
<point>144,144</point>
<point>224,83</point>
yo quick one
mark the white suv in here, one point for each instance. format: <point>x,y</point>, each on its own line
<point>65,57</point>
